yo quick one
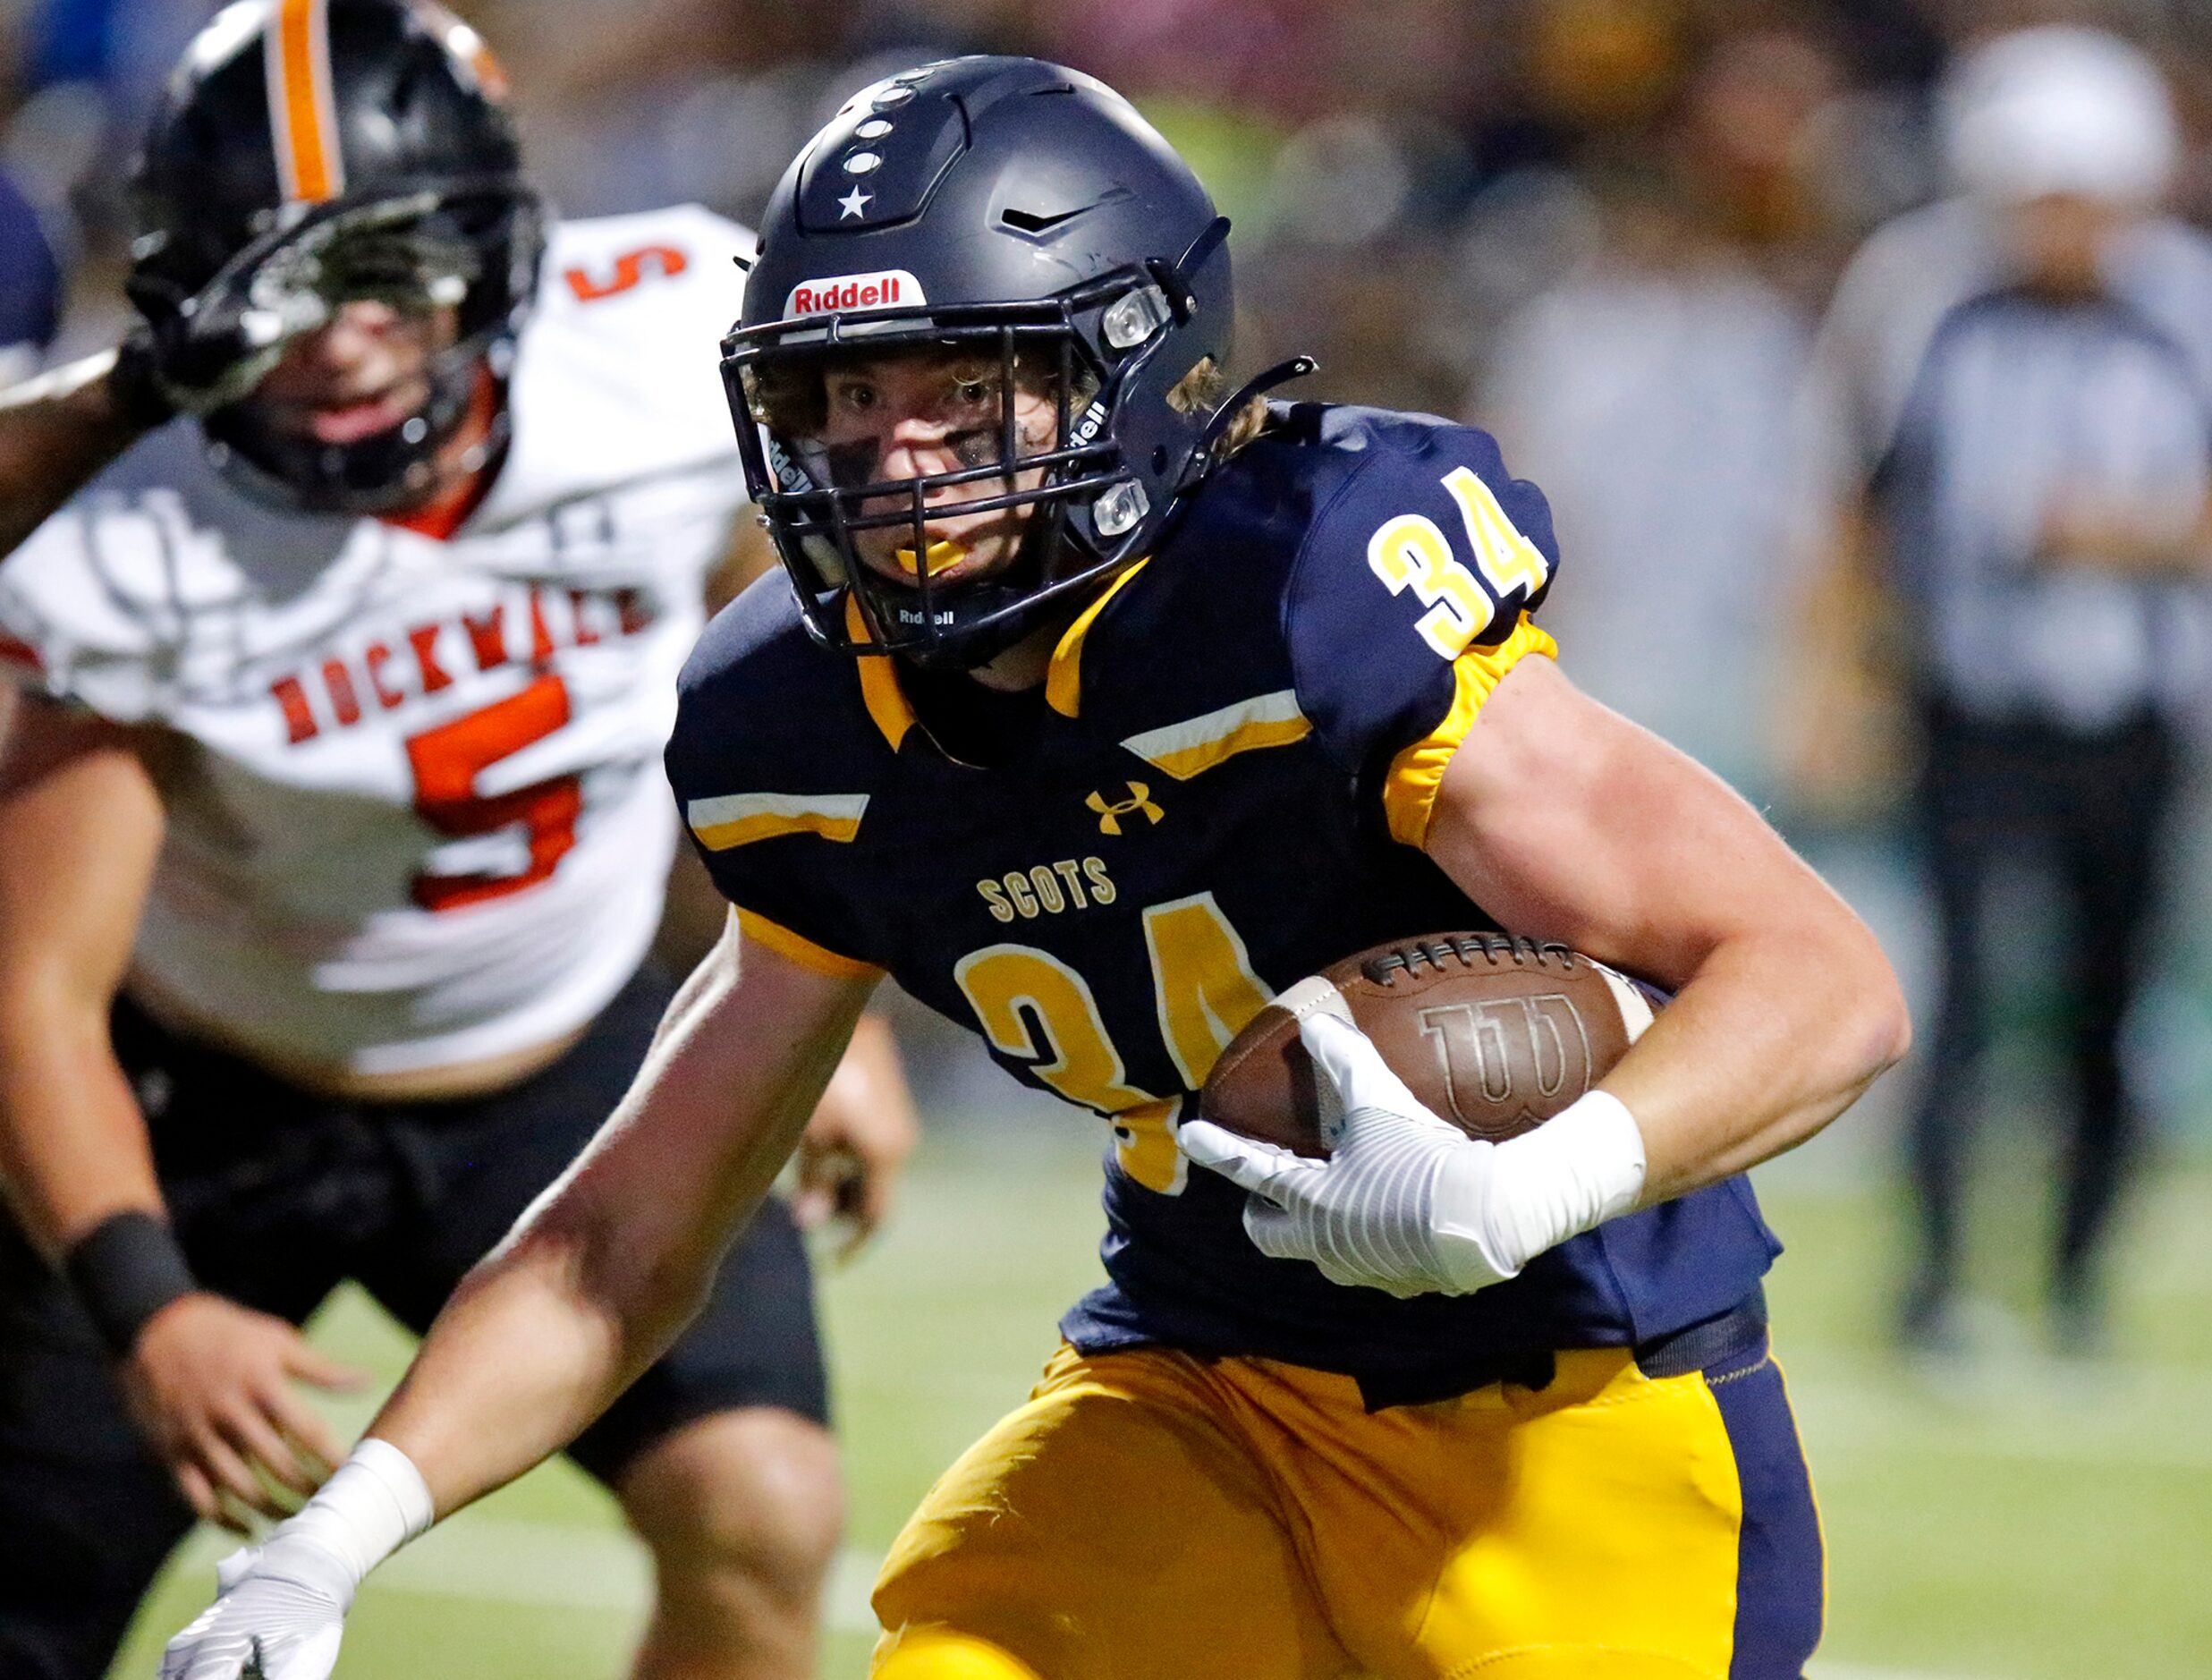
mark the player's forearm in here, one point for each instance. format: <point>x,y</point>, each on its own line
<point>604,1272</point>
<point>73,1150</point>
<point>519,1360</point>
<point>55,432</point>
<point>1567,821</point>
<point>79,829</point>
<point>871,1074</point>
<point>541,1338</point>
<point>1775,1034</point>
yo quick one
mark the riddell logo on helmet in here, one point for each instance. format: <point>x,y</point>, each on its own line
<point>892,288</point>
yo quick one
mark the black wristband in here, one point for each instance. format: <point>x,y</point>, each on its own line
<point>125,1270</point>
<point>132,386</point>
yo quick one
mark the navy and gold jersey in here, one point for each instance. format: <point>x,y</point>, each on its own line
<point>1222,786</point>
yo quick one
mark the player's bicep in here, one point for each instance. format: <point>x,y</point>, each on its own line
<point>1566,821</point>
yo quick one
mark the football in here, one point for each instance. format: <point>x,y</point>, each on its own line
<point>1494,1033</point>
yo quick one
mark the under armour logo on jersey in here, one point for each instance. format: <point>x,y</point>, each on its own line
<point>1140,801</point>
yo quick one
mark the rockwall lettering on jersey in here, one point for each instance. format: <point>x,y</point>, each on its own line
<point>529,626</point>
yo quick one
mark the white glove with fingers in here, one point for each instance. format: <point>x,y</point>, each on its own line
<point>280,1606</point>
<point>279,1611</point>
<point>1407,1203</point>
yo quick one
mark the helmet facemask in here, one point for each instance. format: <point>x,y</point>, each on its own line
<point>468,248</point>
<point>1083,506</point>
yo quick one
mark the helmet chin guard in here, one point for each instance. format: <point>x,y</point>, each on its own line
<point>389,473</point>
<point>1026,216</point>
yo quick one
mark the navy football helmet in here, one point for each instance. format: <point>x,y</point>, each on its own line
<point>308,152</point>
<point>1027,215</point>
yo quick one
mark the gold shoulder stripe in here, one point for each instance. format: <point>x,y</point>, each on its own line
<point>798,948</point>
<point>1064,678</point>
<point>736,819</point>
<point>1410,794</point>
<point>1198,743</point>
<point>303,110</point>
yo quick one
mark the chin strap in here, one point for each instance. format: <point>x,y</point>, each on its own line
<point>1259,385</point>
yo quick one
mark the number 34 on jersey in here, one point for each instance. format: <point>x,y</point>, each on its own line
<point>1411,551</point>
<point>1035,1009</point>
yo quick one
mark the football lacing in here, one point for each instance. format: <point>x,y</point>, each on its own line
<point>1492,947</point>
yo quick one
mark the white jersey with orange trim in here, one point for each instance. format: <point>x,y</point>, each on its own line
<point>421,820</point>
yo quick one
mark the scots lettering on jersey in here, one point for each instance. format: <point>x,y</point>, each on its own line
<point>528,625</point>
<point>887,289</point>
<point>1048,889</point>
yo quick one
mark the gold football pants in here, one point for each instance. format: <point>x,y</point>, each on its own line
<point>1149,1514</point>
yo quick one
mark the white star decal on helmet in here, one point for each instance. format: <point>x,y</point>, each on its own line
<point>853,203</point>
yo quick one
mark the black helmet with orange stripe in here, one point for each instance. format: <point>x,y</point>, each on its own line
<point>308,153</point>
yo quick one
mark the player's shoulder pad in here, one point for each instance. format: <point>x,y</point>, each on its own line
<point>774,762</point>
<point>758,700</point>
<point>617,378</point>
<point>1426,518</point>
<point>67,600</point>
<point>100,598</point>
<point>1425,550</point>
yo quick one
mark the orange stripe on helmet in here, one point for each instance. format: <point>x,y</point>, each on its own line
<point>303,112</point>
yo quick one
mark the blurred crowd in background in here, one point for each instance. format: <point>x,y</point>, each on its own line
<point>1606,229</point>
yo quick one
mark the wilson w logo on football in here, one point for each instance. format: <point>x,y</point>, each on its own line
<point>1505,1053</point>
<point>888,288</point>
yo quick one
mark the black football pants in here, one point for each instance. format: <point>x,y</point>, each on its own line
<point>277,1195</point>
<point>2094,809</point>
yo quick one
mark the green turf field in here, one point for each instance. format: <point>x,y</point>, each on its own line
<point>2020,1521</point>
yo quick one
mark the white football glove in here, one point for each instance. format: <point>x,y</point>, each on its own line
<point>1407,1202</point>
<point>279,1610</point>
<point>1400,1203</point>
<point>280,1606</point>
